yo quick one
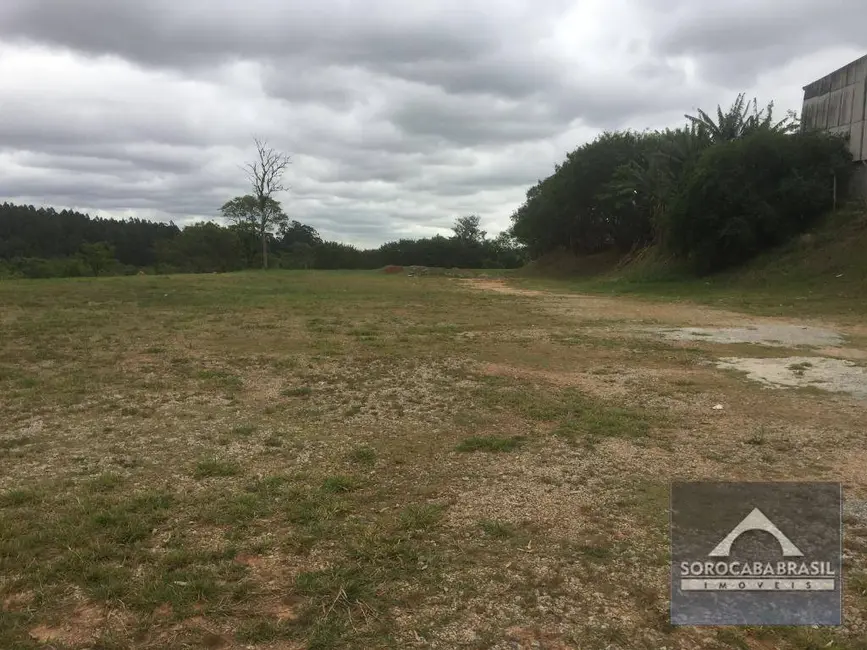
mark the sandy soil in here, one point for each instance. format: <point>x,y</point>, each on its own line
<point>773,334</point>
<point>834,375</point>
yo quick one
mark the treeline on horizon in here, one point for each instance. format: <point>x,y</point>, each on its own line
<point>713,193</point>
<point>44,242</point>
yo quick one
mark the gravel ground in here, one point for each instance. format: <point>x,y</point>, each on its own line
<point>777,335</point>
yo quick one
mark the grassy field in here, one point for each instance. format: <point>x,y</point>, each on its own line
<point>354,460</point>
<point>822,273</point>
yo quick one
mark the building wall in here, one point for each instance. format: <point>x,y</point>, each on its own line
<point>837,103</point>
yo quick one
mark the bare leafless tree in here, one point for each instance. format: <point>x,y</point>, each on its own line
<point>266,177</point>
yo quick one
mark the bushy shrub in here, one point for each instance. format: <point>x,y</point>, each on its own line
<point>75,268</point>
<point>202,248</point>
<point>37,268</point>
<point>8,271</point>
<point>577,208</point>
<point>747,195</point>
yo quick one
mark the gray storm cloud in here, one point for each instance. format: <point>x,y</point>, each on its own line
<point>400,116</point>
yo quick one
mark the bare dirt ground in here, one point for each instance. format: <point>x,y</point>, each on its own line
<point>835,365</point>
<point>833,375</point>
<point>313,460</point>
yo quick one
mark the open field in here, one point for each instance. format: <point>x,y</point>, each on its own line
<point>353,460</point>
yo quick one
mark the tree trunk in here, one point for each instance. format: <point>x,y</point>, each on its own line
<point>264,250</point>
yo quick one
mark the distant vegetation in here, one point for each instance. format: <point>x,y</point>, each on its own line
<point>713,193</point>
<point>42,243</point>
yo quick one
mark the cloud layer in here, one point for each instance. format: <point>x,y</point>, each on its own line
<point>399,116</point>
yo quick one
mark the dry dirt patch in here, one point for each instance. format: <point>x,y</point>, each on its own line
<point>834,375</point>
<point>81,626</point>
<point>17,602</point>
<point>499,286</point>
<point>587,307</point>
<point>693,323</point>
<point>772,334</point>
<point>682,315</point>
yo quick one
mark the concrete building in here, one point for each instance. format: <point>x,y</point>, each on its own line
<point>837,103</point>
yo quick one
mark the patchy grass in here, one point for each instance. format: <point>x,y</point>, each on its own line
<point>243,430</point>
<point>297,391</point>
<point>490,444</point>
<point>421,516</point>
<point>589,424</point>
<point>215,468</point>
<point>14,443</point>
<point>758,438</point>
<point>498,529</point>
<point>338,484</point>
<point>268,460</point>
<point>363,455</point>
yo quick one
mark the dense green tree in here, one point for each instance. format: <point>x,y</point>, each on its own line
<point>746,195</point>
<point>716,191</point>
<point>294,232</point>
<point>250,243</point>
<point>26,231</point>
<point>98,257</point>
<point>261,218</point>
<point>334,255</point>
<point>641,191</point>
<point>299,255</point>
<point>574,208</point>
<point>204,248</point>
<point>468,229</point>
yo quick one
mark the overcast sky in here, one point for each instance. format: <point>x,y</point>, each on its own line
<point>399,115</point>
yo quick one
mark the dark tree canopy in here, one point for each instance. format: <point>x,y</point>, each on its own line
<point>42,242</point>
<point>715,192</point>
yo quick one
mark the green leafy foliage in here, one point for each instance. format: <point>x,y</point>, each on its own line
<point>98,257</point>
<point>467,229</point>
<point>742,119</point>
<point>247,210</point>
<point>715,192</point>
<point>204,248</point>
<point>747,195</point>
<point>575,207</point>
